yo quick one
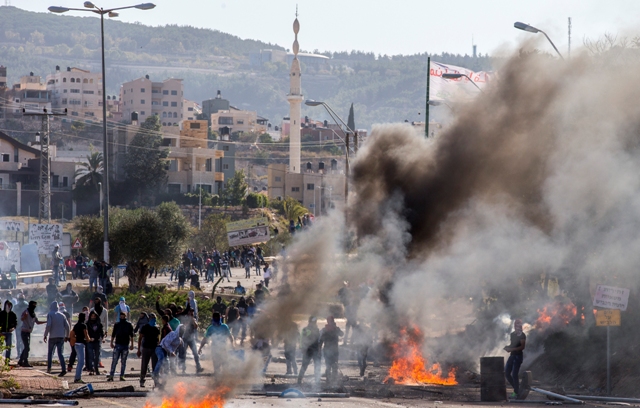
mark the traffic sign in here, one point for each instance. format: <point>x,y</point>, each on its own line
<point>609,317</point>
<point>77,244</point>
<point>611,297</point>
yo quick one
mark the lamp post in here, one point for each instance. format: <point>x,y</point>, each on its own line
<point>100,187</point>
<point>89,6</point>
<point>336,119</point>
<point>532,29</point>
<point>457,76</point>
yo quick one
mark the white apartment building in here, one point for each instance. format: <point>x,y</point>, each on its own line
<point>78,90</point>
<point>148,98</point>
<point>190,110</point>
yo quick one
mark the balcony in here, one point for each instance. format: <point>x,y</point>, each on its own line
<point>10,166</point>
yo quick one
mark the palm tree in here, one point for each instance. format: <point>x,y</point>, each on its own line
<point>90,172</point>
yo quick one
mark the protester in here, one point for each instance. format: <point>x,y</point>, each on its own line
<point>56,259</point>
<point>57,330</point>
<point>147,343</point>
<point>330,338</point>
<point>310,349</point>
<point>289,336</point>
<point>219,306</point>
<point>13,275</point>
<point>96,333</point>
<point>515,348</point>
<point>167,347</point>
<point>232,318</point>
<point>267,274</point>
<point>69,297</point>
<point>79,337</point>
<point>239,289</point>
<point>19,307</point>
<point>29,320</point>
<point>217,333</point>
<point>247,268</point>
<point>122,335</point>
<point>143,320</point>
<point>8,324</point>
<point>103,274</point>
<point>361,339</point>
<point>121,308</point>
<point>193,303</point>
<point>190,326</point>
<point>93,278</point>
<point>52,291</point>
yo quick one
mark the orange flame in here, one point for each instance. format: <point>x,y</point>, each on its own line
<point>198,398</point>
<point>555,314</point>
<point>410,367</point>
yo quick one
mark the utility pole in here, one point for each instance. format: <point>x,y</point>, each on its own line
<point>44,206</point>
<point>569,49</point>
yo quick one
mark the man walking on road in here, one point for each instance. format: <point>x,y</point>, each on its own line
<point>29,320</point>
<point>57,330</point>
<point>310,349</point>
<point>8,324</point>
<point>147,343</point>
<point>123,337</point>
<point>511,370</point>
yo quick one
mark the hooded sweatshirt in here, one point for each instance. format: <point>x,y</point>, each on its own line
<point>57,324</point>
<point>8,319</point>
<point>171,341</point>
<point>29,318</point>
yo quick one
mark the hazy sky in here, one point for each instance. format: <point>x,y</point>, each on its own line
<point>385,27</point>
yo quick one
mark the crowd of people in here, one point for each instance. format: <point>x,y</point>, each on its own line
<point>163,338</point>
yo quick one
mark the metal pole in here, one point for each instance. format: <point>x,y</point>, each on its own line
<point>200,202</point>
<point>346,176</point>
<point>105,148</point>
<point>426,112</point>
<point>314,201</point>
<point>100,186</point>
<point>608,362</point>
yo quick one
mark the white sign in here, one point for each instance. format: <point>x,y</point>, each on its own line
<point>15,226</point>
<point>9,255</point>
<point>249,231</point>
<point>610,297</point>
<point>45,236</point>
<point>462,88</point>
<point>77,244</point>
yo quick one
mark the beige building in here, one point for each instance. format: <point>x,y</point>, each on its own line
<point>190,110</point>
<point>317,187</point>
<point>234,120</point>
<point>30,94</point>
<point>148,98</point>
<point>78,90</point>
<point>191,162</point>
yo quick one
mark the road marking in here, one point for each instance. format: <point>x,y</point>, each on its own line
<point>114,403</point>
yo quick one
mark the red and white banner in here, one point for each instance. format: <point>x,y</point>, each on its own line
<point>459,89</point>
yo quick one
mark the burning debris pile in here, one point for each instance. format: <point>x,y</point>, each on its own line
<point>193,396</point>
<point>409,366</point>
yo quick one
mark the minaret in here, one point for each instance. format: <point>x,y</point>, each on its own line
<point>295,102</point>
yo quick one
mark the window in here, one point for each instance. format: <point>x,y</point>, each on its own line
<point>73,80</point>
<point>208,165</point>
<point>225,167</point>
<point>174,92</point>
<point>164,123</point>
<point>142,101</point>
<point>75,102</point>
<point>155,103</point>
<point>173,188</point>
<point>91,81</point>
<point>295,189</point>
<point>165,92</point>
<point>16,152</point>
<point>74,113</point>
<point>64,91</point>
<point>6,157</point>
<point>173,164</point>
<point>225,148</point>
<point>164,115</point>
<point>143,113</point>
<point>85,81</point>
<point>225,120</point>
<point>311,186</point>
<point>78,80</point>
<point>88,114</point>
<point>74,90</point>
<point>278,179</point>
<point>195,125</point>
<point>55,181</point>
<point>88,92</point>
<point>240,122</point>
<point>165,103</point>
<point>65,181</point>
<point>175,115</point>
<point>64,79</point>
<point>64,101</point>
<point>174,104</point>
<point>142,90</point>
<point>190,109</point>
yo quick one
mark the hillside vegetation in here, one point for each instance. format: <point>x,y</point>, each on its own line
<point>383,88</point>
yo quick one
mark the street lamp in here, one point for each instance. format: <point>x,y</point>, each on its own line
<point>336,119</point>
<point>100,187</point>
<point>89,6</point>
<point>532,29</point>
<point>457,76</point>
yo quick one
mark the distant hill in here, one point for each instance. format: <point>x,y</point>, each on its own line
<point>382,88</point>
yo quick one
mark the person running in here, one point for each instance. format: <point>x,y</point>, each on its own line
<point>123,337</point>
<point>79,337</point>
<point>361,339</point>
<point>167,347</point>
<point>96,333</point>
<point>515,348</point>
<point>29,320</point>
<point>8,324</point>
<point>310,349</point>
<point>330,339</point>
<point>190,326</point>
<point>18,308</point>
<point>57,330</point>
<point>147,343</point>
<point>217,333</point>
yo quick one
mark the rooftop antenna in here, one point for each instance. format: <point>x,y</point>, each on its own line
<point>296,10</point>
<point>474,47</point>
<point>569,49</point>
<point>7,2</point>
